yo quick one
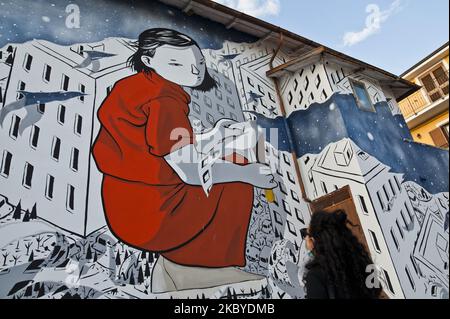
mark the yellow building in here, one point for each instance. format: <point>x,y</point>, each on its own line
<point>426,111</point>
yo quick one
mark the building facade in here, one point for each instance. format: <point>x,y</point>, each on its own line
<point>426,111</point>
<point>340,127</point>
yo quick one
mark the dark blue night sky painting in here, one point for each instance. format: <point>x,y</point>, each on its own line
<point>22,20</point>
<point>380,134</point>
<point>273,128</point>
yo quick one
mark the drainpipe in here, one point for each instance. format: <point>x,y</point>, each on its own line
<point>284,114</point>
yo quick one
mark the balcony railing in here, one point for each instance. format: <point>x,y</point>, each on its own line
<point>432,92</point>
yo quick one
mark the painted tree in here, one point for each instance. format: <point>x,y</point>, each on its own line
<point>5,257</point>
<point>140,278</point>
<point>31,258</point>
<point>28,246</point>
<point>118,260</point>
<point>33,214</point>
<point>16,259</point>
<point>26,218</point>
<point>17,211</point>
<point>89,253</point>
<point>132,281</point>
<point>151,259</point>
<point>148,272</point>
<point>39,238</point>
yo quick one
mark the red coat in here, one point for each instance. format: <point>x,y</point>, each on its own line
<point>146,204</point>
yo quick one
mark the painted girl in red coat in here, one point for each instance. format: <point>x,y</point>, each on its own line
<point>152,199</point>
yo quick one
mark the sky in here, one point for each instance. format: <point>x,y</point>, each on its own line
<point>391,34</point>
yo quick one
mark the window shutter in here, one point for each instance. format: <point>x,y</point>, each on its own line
<point>439,137</point>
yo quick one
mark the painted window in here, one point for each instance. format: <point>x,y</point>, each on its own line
<point>14,129</point>
<point>49,187</point>
<point>375,242</point>
<point>6,163</point>
<point>47,73</point>
<point>78,126</point>
<point>21,87</point>
<point>27,175</point>
<point>41,108</point>
<point>388,282</point>
<point>65,83</point>
<point>27,62</point>
<point>82,89</point>
<point>363,204</point>
<point>410,278</point>
<point>56,148</point>
<point>394,239</point>
<point>362,96</point>
<point>70,198</point>
<point>324,187</point>
<point>74,159</point>
<point>34,136</point>
<point>61,114</point>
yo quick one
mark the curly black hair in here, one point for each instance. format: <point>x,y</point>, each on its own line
<point>341,257</point>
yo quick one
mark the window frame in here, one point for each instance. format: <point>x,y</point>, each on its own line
<point>354,83</point>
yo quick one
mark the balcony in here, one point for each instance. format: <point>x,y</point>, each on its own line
<point>430,101</point>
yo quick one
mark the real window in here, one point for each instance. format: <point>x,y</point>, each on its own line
<point>47,73</point>
<point>78,124</point>
<point>27,62</point>
<point>74,159</point>
<point>49,187</point>
<point>362,96</point>
<point>61,114</point>
<point>6,163</point>
<point>27,175</point>
<point>34,136</point>
<point>14,129</point>
<point>70,198</point>
<point>436,83</point>
<point>56,148</point>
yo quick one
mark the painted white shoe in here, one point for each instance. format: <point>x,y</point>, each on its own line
<point>161,281</point>
<point>168,276</point>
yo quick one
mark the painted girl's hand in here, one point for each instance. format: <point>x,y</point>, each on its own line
<point>259,175</point>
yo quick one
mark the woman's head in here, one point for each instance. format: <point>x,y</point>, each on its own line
<point>174,56</point>
<point>339,253</point>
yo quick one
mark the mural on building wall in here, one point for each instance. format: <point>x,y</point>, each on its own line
<point>86,152</point>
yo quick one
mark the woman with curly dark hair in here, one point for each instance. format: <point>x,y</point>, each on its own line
<point>339,261</point>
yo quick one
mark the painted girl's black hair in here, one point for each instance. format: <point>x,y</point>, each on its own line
<point>340,255</point>
<point>152,39</point>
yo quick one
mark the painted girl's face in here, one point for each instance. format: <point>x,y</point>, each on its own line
<point>183,66</point>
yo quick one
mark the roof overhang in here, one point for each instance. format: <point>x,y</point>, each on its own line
<point>426,63</point>
<point>400,87</point>
<point>293,43</point>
